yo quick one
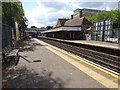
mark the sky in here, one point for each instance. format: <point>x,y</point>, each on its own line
<point>41,13</point>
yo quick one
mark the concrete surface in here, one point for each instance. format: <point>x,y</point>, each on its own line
<point>46,70</point>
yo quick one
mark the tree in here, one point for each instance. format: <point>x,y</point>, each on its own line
<point>49,27</point>
<point>43,27</point>
<point>33,27</point>
<point>114,15</point>
<point>6,13</point>
<point>13,11</point>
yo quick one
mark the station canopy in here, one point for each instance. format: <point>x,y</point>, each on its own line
<point>63,29</point>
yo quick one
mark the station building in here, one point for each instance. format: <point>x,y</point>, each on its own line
<point>119,5</point>
<point>34,31</point>
<point>74,28</point>
<point>87,12</point>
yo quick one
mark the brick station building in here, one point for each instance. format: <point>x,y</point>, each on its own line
<point>74,28</point>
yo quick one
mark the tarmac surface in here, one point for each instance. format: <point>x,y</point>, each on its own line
<point>44,69</point>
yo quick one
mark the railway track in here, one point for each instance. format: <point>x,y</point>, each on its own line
<point>111,62</point>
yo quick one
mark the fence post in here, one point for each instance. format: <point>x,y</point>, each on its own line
<point>103,32</point>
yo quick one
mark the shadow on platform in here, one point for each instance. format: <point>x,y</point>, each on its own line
<point>31,45</point>
<point>24,78</point>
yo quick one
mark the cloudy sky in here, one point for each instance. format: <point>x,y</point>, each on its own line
<point>41,13</point>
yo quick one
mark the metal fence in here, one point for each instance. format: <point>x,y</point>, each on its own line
<point>103,31</point>
<point>6,35</point>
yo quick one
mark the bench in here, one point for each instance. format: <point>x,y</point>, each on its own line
<point>9,54</point>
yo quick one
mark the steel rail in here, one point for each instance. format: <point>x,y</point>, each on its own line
<point>106,60</point>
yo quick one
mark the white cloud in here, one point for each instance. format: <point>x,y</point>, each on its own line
<point>43,16</point>
<point>47,13</point>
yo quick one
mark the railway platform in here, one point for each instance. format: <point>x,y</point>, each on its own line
<point>92,43</point>
<point>105,47</point>
<point>97,43</point>
<point>52,67</point>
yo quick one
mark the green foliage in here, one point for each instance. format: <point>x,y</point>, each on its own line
<point>33,27</point>
<point>49,27</point>
<point>114,15</point>
<point>13,11</point>
<point>6,15</point>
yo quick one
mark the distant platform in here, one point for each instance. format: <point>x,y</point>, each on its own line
<point>97,43</point>
<point>92,42</point>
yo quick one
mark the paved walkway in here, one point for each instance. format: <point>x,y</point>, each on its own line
<point>46,70</point>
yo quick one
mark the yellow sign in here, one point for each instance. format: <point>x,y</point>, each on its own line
<point>99,35</point>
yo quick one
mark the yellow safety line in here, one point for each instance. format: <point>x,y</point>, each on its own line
<point>112,74</point>
<point>101,79</point>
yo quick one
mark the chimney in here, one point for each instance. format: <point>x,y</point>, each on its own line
<point>80,13</point>
<point>71,16</point>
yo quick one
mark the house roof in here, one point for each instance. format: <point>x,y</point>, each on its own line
<point>77,21</point>
<point>61,22</point>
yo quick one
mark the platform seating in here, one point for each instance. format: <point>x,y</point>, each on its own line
<point>9,53</point>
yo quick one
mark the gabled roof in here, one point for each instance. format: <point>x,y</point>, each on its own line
<point>78,22</point>
<point>87,22</point>
<point>61,22</point>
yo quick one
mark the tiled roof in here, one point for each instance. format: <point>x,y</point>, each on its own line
<point>78,22</point>
<point>61,22</point>
<point>75,21</point>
